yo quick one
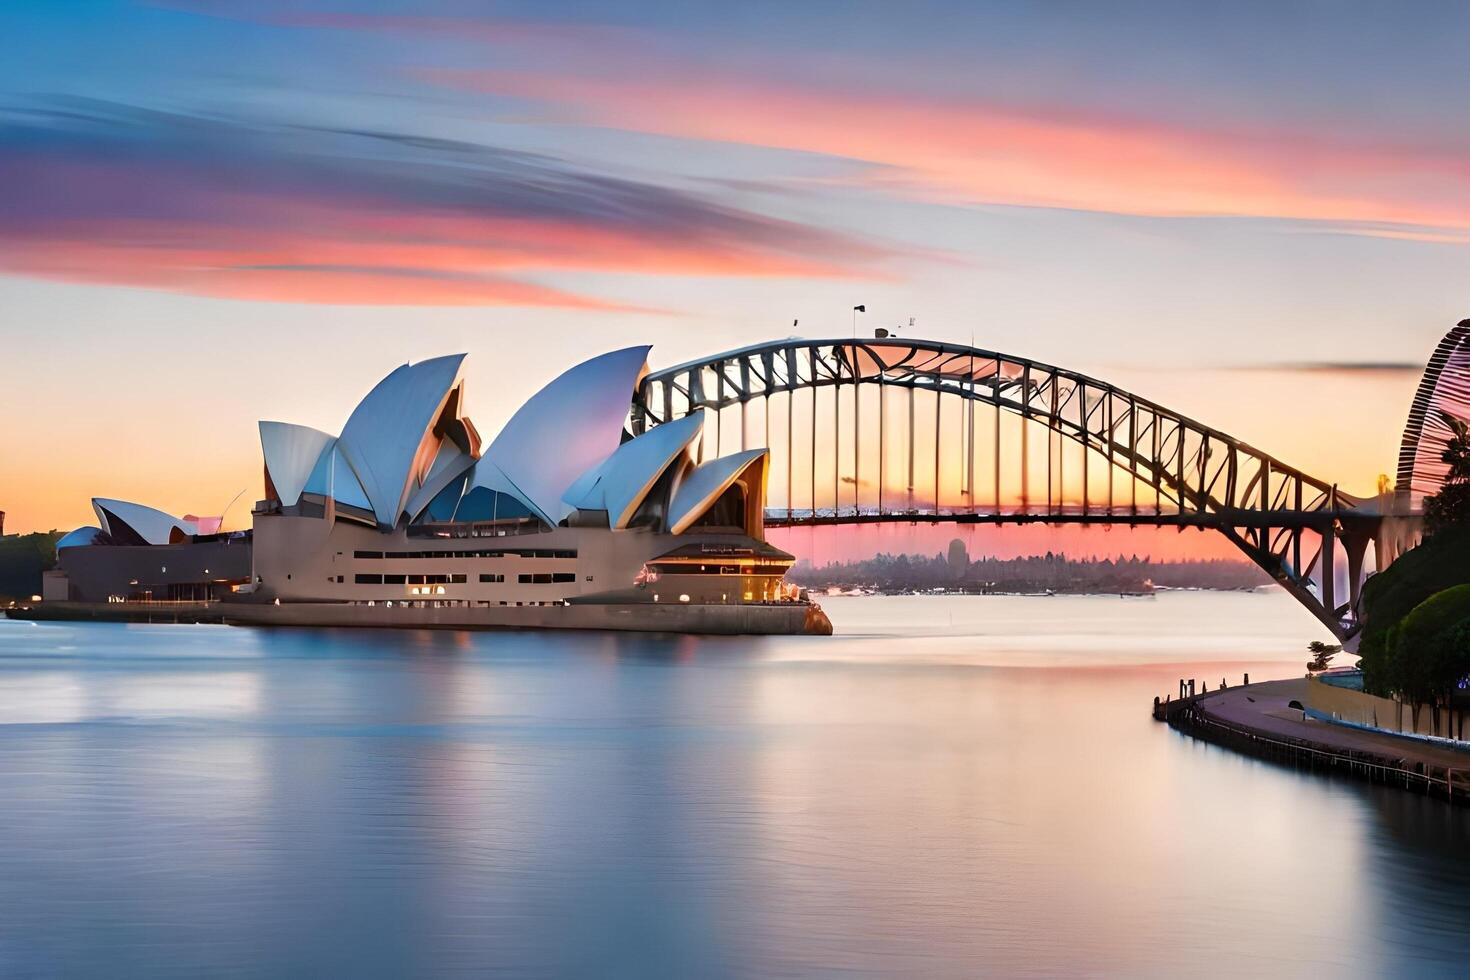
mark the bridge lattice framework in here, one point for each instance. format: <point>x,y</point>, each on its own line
<point>822,406</point>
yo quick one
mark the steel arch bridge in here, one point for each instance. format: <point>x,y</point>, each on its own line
<point>904,431</point>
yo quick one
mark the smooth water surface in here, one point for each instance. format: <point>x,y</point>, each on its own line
<point>950,787</point>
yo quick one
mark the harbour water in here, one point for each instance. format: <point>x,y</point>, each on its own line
<point>949,787</point>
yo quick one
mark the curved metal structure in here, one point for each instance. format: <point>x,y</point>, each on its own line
<point>1444,390</point>
<point>909,430</point>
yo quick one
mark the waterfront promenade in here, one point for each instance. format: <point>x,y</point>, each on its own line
<point>1261,719</point>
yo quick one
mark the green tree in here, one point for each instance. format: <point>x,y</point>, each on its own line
<point>1437,564</point>
<point>23,557</point>
<point>1322,654</point>
<point>1450,507</point>
<point>1430,648</point>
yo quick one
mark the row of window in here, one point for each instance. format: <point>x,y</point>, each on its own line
<point>546,578</point>
<point>524,553</point>
<point>411,579</point>
<point>536,578</point>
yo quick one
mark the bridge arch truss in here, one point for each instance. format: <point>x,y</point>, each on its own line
<point>908,431</point>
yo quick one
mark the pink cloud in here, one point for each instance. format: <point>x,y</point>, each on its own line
<point>300,215</point>
<point>972,151</point>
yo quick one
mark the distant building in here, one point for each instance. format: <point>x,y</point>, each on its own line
<point>140,554</point>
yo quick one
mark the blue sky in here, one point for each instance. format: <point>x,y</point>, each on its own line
<point>217,212</point>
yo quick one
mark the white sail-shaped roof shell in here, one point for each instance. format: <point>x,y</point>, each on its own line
<point>79,538</point>
<point>620,483</point>
<point>333,477</point>
<point>291,453</point>
<point>381,439</point>
<point>567,428</point>
<point>485,475</point>
<point>705,484</point>
<point>449,465</point>
<point>149,523</point>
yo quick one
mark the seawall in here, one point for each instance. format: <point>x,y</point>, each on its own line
<point>1268,720</point>
<point>733,619</point>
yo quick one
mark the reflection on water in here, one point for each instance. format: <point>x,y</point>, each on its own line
<point>950,786</point>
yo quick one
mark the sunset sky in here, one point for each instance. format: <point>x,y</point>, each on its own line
<point>216,212</point>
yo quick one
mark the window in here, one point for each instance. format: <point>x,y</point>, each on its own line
<point>339,580</point>
<point>394,579</point>
<point>485,577</point>
<point>563,577</point>
<point>367,554</point>
<point>368,579</point>
<point>537,578</point>
<point>458,579</point>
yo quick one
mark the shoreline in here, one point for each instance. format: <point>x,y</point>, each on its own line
<point>1265,720</point>
<point>694,619</point>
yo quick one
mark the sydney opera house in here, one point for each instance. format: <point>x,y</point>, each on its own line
<point>408,518</point>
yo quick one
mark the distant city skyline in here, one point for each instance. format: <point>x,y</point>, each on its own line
<point>1255,215</point>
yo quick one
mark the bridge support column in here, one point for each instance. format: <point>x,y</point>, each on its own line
<point>1357,549</point>
<point>1327,571</point>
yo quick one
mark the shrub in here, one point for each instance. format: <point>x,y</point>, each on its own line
<point>1430,648</point>
<point>1440,563</point>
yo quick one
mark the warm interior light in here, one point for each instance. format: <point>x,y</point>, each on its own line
<point>684,597</point>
